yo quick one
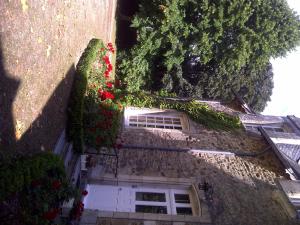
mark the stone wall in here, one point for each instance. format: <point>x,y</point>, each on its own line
<point>200,139</point>
<point>243,186</point>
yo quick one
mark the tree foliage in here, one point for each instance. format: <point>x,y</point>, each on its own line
<point>230,44</point>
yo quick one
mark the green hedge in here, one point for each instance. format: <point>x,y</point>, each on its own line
<point>19,173</point>
<point>199,112</point>
<point>76,103</point>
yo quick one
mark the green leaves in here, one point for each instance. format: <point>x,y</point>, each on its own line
<point>234,40</point>
<point>76,103</point>
<point>199,112</point>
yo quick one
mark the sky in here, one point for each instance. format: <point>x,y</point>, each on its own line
<point>285,99</point>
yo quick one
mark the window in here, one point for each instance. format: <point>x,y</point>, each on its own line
<point>159,121</point>
<point>182,198</point>
<point>184,211</point>
<point>151,209</point>
<point>148,196</point>
<point>274,129</point>
<point>254,128</point>
<point>181,202</point>
<point>172,201</point>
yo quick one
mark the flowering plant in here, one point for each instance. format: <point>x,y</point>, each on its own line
<point>102,105</point>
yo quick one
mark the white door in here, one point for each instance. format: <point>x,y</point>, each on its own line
<point>139,199</point>
<point>124,199</point>
<point>103,197</point>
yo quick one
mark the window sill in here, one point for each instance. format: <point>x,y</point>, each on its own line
<point>155,217</point>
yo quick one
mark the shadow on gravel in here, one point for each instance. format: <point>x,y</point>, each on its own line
<point>36,138</point>
<point>8,91</point>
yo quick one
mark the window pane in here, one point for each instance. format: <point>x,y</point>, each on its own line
<point>177,122</point>
<point>150,120</point>
<point>151,209</point>
<point>169,127</point>
<point>168,120</point>
<point>133,119</point>
<point>148,196</point>
<point>182,198</point>
<point>133,125</point>
<point>184,211</point>
<point>159,120</point>
<point>178,128</point>
<point>142,119</point>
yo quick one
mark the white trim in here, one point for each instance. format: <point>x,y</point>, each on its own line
<point>157,121</point>
<point>254,128</point>
<point>176,205</point>
<point>143,118</point>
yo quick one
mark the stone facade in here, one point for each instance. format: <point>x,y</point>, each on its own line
<point>243,182</point>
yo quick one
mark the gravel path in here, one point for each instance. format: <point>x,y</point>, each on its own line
<point>40,42</point>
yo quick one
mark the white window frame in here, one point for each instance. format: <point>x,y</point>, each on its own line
<point>170,115</point>
<point>174,205</point>
<point>152,203</point>
<point>155,124</point>
<point>170,200</point>
<point>254,128</point>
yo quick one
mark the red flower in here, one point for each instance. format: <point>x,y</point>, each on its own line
<point>78,209</point>
<point>84,193</point>
<point>110,47</point>
<point>56,184</point>
<point>109,67</point>
<point>106,95</point>
<point>109,84</point>
<point>51,214</point>
<point>106,60</point>
<point>106,74</point>
<point>99,91</point>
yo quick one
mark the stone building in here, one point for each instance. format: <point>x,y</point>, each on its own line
<point>171,170</point>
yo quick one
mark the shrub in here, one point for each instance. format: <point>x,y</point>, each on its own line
<point>17,174</point>
<point>34,187</point>
<point>102,108</point>
<point>76,103</point>
<point>94,112</point>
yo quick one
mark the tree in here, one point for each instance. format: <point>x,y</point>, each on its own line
<point>227,43</point>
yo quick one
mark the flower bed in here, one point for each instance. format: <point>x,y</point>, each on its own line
<point>97,122</point>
